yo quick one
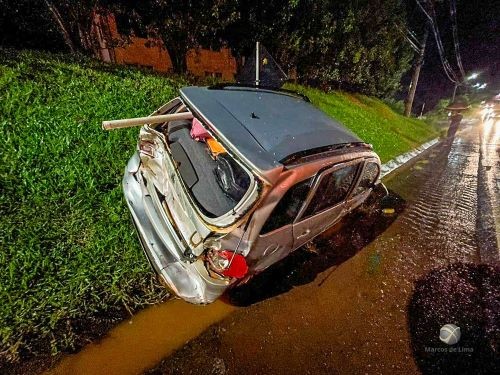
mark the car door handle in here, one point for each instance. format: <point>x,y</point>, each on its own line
<point>304,234</point>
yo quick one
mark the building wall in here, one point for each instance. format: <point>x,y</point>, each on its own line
<point>151,53</point>
<point>204,62</point>
<point>145,53</point>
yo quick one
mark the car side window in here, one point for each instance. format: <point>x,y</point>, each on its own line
<point>370,174</point>
<point>332,190</point>
<point>288,207</point>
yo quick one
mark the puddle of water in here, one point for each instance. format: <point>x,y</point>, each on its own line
<point>142,341</point>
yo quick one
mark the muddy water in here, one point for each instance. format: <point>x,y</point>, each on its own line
<point>142,341</point>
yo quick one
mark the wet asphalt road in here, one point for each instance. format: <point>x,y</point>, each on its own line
<point>372,297</point>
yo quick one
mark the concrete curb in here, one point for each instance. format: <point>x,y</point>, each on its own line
<point>398,161</point>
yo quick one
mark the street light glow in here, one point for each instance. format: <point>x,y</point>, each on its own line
<point>473,76</point>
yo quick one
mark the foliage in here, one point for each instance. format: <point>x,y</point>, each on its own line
<point>397,106</point>
<point>358,48</point>
<point>74,20</point>
<point>338,44</point>
<point>347,45</point>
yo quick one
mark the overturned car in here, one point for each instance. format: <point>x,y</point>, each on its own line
<point>228,180</point>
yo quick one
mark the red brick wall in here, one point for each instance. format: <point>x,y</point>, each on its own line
<point>144,52</point>
<point>150,53</point>
<point>203,62</point>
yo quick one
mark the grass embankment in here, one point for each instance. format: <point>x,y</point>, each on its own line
<point>68,250</point>
<point>390,133</point>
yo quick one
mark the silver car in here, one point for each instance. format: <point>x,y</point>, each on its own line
<point>228,180</point>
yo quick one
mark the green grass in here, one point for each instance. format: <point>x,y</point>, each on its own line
<point>68,249</point>
<point>390,133</point>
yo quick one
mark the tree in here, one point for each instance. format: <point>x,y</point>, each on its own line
<point>352,45</point>
<point>331,43</point>
<point>74,20</point>
<point>182,24</point>
<point>60,24</point>
<point>343,44</point>
<point>267,21</point>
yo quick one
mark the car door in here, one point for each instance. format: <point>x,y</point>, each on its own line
<point>325,203</point>
<point>275,240</point>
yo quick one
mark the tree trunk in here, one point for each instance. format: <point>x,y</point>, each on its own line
<point>240,63</point>
<point>62,28</point>
<point>178,58</point>
<point>85,38</point>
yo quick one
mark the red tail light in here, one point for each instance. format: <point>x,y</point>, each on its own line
<point>227,263</point>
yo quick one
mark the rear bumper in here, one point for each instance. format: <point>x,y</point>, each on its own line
<point>189,280</point>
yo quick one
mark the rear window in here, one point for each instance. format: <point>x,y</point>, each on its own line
<point>369,177</point>
<point>215,180</point>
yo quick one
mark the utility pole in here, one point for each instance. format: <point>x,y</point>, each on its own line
<point>416,73</point>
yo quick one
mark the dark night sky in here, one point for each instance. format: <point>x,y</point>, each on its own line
<point>479,38</point>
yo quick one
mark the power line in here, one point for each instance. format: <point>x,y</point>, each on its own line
<point>411,34</point>
<point>450,73</point>
<point>441,49</point>
<point>453,13</point>
<point>414,45</point>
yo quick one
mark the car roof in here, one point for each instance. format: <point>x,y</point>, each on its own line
<point>265,126</point>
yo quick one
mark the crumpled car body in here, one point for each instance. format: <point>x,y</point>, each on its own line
<point>264,174</point>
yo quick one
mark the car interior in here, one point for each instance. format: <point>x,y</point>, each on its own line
<point>217,182</point>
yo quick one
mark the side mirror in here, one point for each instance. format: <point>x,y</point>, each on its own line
<point>379,186</point>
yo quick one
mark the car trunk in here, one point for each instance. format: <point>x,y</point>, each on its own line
<point>194,187</point>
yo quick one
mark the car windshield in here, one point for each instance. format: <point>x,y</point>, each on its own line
<point>214,179</point>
